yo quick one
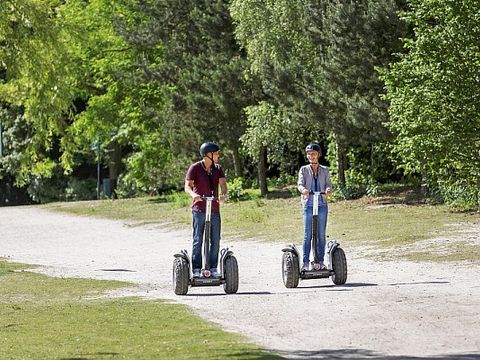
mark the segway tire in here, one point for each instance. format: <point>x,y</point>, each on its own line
<point>180,276</point>
<point>339,263</point>
<point>230,286</point>
<point>290,269</point>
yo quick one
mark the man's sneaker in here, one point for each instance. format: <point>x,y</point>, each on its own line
<point>215,273</point>
<point>196,272</point>
<point>322,266</point>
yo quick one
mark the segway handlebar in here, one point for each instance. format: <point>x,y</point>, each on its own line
<point>317,192</point>
<point>211,198</point>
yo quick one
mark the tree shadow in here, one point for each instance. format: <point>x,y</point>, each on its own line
<point>344,287</point>
<point>236,294</point>
<point>362,354</point>
<point>89,356</point>
<point>419,283</point>
<point>120,270</point>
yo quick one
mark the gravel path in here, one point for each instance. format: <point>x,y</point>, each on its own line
<point>387,310</point>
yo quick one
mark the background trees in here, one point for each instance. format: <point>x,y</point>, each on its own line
<point>434,98</point>
<point>149,81</point>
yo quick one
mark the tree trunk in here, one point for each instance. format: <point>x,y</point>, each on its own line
<point>237,162</point>
<point>114,159</point>
<point>341,163</point>
<point>262,171</point>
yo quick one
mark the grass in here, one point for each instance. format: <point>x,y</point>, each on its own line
<point>387,222</point>
<point>56,318</point>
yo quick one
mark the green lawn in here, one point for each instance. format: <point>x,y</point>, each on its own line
<point>57,318</point>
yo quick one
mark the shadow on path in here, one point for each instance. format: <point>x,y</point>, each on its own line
<point>362,354</point>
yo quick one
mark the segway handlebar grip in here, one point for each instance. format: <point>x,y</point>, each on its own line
<point>211,198</point>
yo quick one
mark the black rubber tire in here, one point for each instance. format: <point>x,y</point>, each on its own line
<point>339,264</point>
<point>230,267</point>
<point>290,269</point>
<point>181,276</point>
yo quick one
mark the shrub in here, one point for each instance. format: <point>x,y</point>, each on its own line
<point>236,190</point>
<point>81,189</point>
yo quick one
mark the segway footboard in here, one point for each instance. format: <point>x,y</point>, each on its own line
<point>316,274</point>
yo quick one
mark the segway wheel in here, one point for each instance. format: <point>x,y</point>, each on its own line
<point>230,286</point>
<point>180,276</point>
<point>290,269</point>
<point>339,263</point>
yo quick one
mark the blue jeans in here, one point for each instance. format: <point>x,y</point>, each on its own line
<point>198,235</point>
<point>307,235</point>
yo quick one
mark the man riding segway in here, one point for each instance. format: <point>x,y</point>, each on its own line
<point>201,183</point>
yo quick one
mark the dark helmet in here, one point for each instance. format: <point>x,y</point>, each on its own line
<point>208,147</point>
<point>313,147</point>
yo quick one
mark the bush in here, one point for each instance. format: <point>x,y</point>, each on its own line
<point>43,190</point>
<point>81,189</point>
<point>356,186</point>
<point>179,199</point>
<point>236,190</point>
<point>282,181</point>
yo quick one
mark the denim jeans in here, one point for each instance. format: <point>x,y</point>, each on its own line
<point>308,226</point>
<point>198,235</point>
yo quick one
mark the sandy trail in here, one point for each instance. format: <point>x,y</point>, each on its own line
<point>387,310</point>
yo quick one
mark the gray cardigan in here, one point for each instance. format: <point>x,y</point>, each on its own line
<point>305,178</point>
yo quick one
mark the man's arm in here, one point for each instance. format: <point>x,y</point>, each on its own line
<point>223,188</point>
<point>189,191</point>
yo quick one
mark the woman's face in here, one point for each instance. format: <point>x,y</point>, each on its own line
<point>312,156</point>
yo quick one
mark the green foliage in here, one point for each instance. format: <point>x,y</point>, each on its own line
<point>433,92</point>
<point>356,186</point>
<point>81,189</point>
<point>47,189</point>
<point>236,189</point>
<point>179,199</point>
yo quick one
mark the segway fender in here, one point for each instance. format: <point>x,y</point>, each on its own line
<point>184,254</point>
<point>331,246</point>
<point>291,248</point>
<point>224,254</point>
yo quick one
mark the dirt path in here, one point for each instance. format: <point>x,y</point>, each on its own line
<point>389,310</point>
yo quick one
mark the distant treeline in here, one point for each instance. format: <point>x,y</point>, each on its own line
<point>127,90</point>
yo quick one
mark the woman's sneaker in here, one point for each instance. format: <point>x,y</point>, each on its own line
<point>306,266</point>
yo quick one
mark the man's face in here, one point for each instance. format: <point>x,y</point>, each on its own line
<point>312,156</point>
<point>216,155</point>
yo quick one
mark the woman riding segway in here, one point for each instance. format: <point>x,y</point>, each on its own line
<point>315,186</point>
<point>314,178</point>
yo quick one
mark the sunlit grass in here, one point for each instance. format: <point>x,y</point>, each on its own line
<point>55,318</point>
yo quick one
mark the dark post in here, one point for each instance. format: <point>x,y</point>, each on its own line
<point>1,139</point>
<point>97,147</point>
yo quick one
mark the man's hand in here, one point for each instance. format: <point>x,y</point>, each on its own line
<point>196,198</point>
<point>223,198</point>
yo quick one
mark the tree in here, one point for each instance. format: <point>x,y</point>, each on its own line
<point>434,98</point>
<point>202,67</point>
<point>318,60</point>
<point>36,78</point>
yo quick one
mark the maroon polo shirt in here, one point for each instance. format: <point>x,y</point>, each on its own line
<point>201,184</point>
